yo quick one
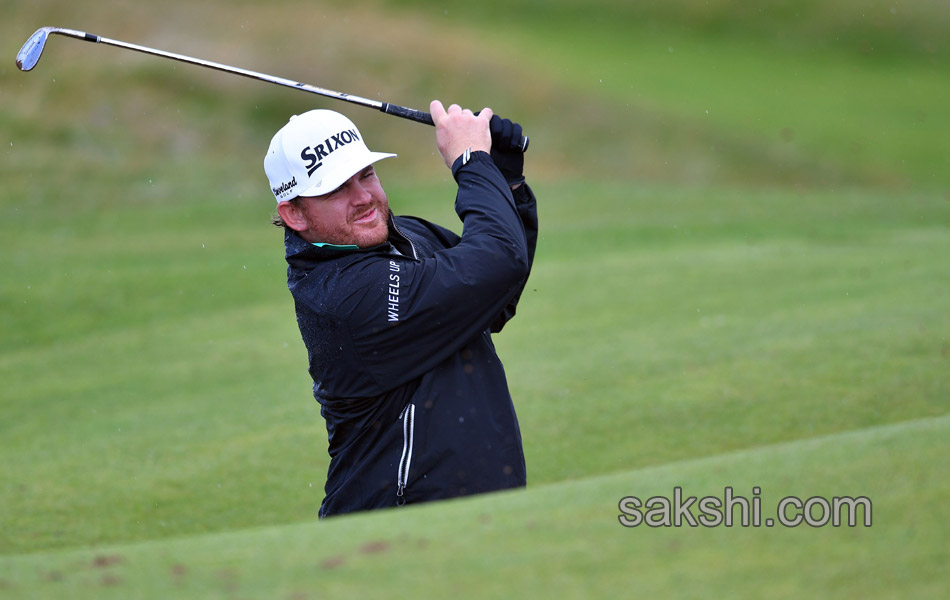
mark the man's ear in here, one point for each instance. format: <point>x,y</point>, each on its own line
<point>292,216</point>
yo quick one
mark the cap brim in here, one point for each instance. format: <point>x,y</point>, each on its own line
<point>343,173</point>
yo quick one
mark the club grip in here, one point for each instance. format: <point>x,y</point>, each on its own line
<point>407,113</point>
<point>424,117</point>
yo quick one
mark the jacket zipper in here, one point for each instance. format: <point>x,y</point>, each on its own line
<point>408,417</point>
<point>406,237</point>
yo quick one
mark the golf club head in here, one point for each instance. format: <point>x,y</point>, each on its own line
<point>31,51</point>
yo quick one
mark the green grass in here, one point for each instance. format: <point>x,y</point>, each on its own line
<point>797,92</point>
<point>565,539</point>
<point>753,296</point>
<point>753,312</point>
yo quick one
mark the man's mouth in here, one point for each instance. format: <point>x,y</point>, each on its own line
<point>367,218</point>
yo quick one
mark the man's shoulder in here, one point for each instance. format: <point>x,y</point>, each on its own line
<point>417,227</point>
<point>412,222</point>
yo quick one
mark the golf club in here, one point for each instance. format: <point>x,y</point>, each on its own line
<point>31,51</point>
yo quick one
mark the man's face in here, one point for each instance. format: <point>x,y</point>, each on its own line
<point>355,213</point>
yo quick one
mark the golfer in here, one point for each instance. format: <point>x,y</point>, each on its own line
<point>397,312</point>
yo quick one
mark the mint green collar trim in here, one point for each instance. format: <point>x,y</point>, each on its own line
<point>337,246</point>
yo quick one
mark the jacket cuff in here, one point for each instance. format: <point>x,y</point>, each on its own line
<point>522,193</point>
<point>476,157</point>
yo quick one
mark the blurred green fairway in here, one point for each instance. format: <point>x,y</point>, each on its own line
<point>742,281</point>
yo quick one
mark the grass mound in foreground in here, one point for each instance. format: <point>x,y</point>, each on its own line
<point>564,540</point>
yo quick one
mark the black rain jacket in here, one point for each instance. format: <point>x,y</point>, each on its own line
<point>415,399</point>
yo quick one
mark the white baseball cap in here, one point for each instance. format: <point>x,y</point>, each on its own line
<point>315,153</point>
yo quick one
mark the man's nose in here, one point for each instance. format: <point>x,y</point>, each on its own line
<point>361,194</point>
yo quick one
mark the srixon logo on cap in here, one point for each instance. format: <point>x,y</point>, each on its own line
<point>315,154</point>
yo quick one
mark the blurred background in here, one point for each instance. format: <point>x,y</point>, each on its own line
<point>744,212</point>
<point>783,93</point>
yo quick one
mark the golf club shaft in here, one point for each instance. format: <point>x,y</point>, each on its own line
<point>400,111</point>
<point>30,53</point>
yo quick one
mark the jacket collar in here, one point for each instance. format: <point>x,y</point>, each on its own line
<point>300,253</point>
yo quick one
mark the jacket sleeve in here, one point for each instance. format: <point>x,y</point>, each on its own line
<point>412,314</point>
<point>527,207</point>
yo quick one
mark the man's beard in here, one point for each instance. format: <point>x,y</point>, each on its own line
<point>355,234</point>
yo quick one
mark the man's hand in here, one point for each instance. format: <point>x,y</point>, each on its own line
<point>506,151</point>
<point>458,130</point>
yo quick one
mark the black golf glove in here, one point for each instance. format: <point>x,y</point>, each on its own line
<point>506,151</point>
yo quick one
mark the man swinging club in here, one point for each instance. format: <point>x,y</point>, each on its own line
<point>397,312</point>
